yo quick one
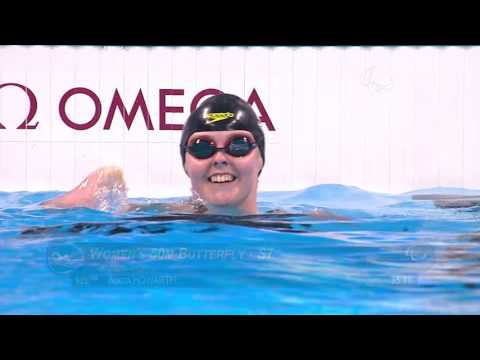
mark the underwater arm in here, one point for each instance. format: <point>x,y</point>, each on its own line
<point>184,206</point>
<point>317,213</point>
<point>326,215</point>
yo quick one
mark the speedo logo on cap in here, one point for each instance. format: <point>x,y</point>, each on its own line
<point>215,117</point>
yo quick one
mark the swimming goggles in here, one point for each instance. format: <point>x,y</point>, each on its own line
<point>238,146</point>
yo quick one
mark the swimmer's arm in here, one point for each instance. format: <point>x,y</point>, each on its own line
<point>318,213</point>
<point>60,202</point>
<point>68,200</point>
<point>103,179</point>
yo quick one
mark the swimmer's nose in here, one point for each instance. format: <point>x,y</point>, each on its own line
<point>219,158</point>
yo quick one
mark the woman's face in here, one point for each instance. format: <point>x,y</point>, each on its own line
<point>223,180</point>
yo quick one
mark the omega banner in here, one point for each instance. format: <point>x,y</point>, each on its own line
<point>386,119</point>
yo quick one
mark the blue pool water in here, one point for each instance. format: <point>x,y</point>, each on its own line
<point>396,256</point>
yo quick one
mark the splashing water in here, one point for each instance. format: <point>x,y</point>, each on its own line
<point>111,198</point>
<point>111,192</point>
<point>198,203</point>
<point>395,256</point>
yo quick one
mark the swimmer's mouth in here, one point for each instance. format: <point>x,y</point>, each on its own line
<point>221,178</point>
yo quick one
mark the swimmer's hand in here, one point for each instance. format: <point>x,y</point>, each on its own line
<point>104,183</point>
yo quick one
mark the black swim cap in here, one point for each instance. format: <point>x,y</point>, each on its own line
<point>223,112</point>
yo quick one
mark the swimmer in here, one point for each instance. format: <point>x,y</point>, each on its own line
<point>223,153</point>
